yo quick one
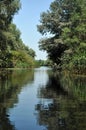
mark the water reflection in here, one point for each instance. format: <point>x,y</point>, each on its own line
<point>75,85</point>
<point>11,83</point>
<point>62,103</point>
<point>42,100</point>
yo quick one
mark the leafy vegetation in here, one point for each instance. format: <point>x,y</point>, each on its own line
<point>66,22</point>
<point>40,62</point>
<point>13,52</point>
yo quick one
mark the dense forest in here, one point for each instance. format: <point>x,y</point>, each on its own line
<point>65,22</point>
<point>13,52</point>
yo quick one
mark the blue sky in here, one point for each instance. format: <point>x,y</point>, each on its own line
<point>27,20</point>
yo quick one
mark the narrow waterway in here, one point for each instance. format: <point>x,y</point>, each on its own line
<point>40,99</point>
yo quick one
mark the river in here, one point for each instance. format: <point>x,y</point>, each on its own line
<point>41,99</point>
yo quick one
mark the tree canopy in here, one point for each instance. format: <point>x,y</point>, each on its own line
<point>65,20</point>
<point>13,52</point>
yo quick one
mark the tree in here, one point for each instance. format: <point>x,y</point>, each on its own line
<point>66,22</point>
<point>53,22</point>
<point>74,36</point>
<point>30,51</point>
<point>8,8</point>
<point>13,52</point>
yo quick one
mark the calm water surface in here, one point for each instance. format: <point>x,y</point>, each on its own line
<point>40,99</point>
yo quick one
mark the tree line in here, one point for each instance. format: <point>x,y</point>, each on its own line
<point>65,22</point>
<point>13,52</point>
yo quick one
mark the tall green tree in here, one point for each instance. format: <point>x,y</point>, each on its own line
<point>17,54</point>
<point>66,22</point>
<point>8,8</point>
<point>13,52</point>
<point>74,36</point>
<point>52,22</point>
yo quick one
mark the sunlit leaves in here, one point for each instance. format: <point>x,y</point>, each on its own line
<point>66,20</point>
<point>11,44</point>
<point>21,59</point>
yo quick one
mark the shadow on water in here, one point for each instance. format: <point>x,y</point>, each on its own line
<point>62,103</point>
<point>11,83</point>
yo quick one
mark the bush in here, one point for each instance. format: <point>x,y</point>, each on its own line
<point>21,59</point>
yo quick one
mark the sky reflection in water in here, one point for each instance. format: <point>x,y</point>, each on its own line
<point>42,100</point>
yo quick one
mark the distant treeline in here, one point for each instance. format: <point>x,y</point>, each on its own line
<point>40,62</point>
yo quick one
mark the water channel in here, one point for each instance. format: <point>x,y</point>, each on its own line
<point>41,99</point>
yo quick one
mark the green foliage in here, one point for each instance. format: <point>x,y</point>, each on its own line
<point>40,62</point>
<point>53,22</point>
<point>30,51</point>
<point>10,38</point>
<point>5,59</point>
<point>66,22</point>
<point>8,8</point>
<point>21,59</point>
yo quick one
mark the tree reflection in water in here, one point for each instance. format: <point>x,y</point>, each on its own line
<point>11,83</point>
<point>60,106</point>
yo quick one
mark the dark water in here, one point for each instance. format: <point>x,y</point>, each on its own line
<point>40,99</point>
